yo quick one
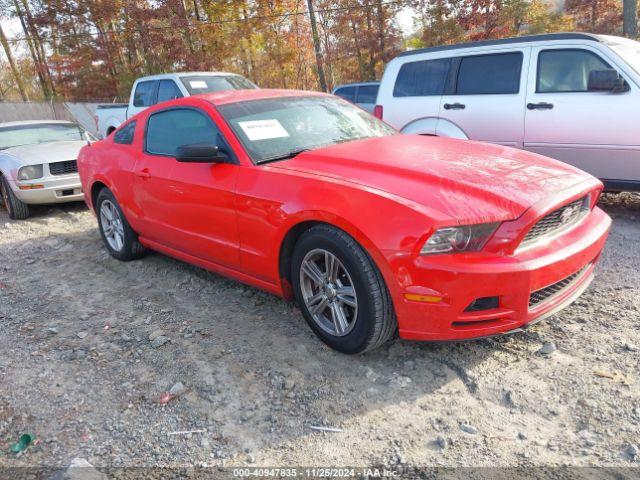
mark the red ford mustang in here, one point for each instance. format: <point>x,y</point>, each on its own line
<point>372,232</point>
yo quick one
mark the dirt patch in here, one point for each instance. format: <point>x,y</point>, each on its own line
<point>82,369</point>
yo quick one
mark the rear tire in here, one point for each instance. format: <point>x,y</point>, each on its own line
<point>118,236</point>
<point>341,292</point>
<point>17,209</point>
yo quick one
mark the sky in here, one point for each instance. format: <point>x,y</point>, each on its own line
<point>11,28</point>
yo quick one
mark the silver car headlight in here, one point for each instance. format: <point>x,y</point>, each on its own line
<point>465,238</point>
<point>30,172</point>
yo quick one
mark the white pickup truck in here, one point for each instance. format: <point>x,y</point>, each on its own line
<point>148,91</point>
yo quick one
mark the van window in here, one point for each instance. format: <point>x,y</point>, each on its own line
<point>145,93</point>
<point>566,70</point>
<point>168,90</point>
<point>367,94</point>
<point>421,79</point>
<point>169,129</point>
<point>348,93</point>
<point>490,74</point>
<point>124,135</point>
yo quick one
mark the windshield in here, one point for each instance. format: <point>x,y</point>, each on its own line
<point>196,84</point>
<point>40,133</point>
<point>281,127</point>
<point>629,51</point>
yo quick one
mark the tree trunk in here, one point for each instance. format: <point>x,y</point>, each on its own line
<point>196,10</point>
<point>316,46</point>
<point>630,18</point>
<point>372,57</point>
<point>187,28</point>
<point>32,51</point>
<point>381,32</point>
<point>12,64</point>
<point>37,42</point>
<point>356,40</point>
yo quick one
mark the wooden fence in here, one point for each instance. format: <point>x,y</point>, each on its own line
<point>83,113</point>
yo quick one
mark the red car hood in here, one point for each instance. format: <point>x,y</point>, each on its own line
<point>457,178</point>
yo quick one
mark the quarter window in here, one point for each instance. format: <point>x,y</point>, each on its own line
<point>169,129</point>
<point>489,74</point>
<point>367,94</point>
<point>421,79</point>
<point>145,91</point>
<point>566,70</point>
<point>168,90</point>
<point>348,93</point>
<point>124,135</point>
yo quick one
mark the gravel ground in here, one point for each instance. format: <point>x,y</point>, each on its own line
<point>90,344</point>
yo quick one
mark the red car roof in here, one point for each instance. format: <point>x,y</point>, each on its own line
<point>232,96</point>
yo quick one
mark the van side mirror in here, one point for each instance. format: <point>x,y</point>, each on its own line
<point>606,81</point>
<point>201,153</point>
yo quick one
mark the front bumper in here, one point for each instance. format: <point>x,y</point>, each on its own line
<point>458,280</point>
<point>55,189</point>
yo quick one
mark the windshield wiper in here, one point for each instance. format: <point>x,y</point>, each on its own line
<point>284,156</point>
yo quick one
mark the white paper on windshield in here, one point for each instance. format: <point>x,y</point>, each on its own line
<point>263,129</point>
<point>198,84</point>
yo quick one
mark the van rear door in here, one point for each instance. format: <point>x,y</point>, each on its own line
<point>486,99</point>
<point>410,93</point>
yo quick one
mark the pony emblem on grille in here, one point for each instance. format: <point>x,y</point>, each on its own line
<point>569,213</point>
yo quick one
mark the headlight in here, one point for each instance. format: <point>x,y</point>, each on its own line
<point>466,238</point>
<point>30,172</point>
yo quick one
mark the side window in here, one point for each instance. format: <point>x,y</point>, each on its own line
<point>348,93</point>
<point>168,90</point>
<point>145,91</point>
<point>566,70</point>
<point>422,79</point>
<point>169,129</point>
<point>490,74</point>
<point>124,135</point>
<point>367,94</point>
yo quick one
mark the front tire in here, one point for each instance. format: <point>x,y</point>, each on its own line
<point>341,292</point>
<point>118,236</point>
<point>17,209</point>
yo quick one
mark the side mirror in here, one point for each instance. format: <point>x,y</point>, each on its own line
<point>606,81</point>
<point>201,153</point>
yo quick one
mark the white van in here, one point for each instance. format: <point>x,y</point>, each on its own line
<point>570,96</point>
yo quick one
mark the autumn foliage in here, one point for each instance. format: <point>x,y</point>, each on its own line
<point>94,49</point>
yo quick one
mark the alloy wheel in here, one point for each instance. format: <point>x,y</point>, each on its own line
<point>328,292</point>
<point>112,226</point>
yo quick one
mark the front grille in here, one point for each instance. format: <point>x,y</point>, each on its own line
<point>544,294</point>
<point>63,168</point>
<point>555,221</point>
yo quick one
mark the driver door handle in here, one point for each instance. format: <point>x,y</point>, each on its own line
<point>454,106</point>
<point>144,173</point>
<point>540,106</point>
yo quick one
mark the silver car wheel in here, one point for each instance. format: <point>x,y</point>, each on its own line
<point>112,226</point>
<point>328,292</point>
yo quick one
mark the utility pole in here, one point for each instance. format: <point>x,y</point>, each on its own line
<point>630,18</point>
<point>316,47</point>
<point>12,64</point>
